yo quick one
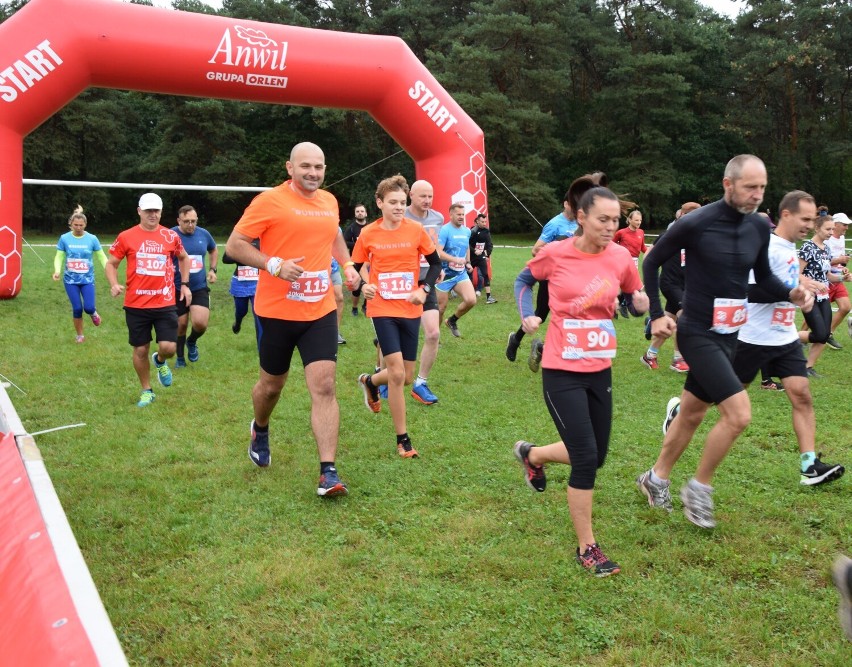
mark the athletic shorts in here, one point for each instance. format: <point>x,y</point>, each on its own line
<point>781,361</point>
<point>199,298</point>
<point>674,298</point>
<point>316,340</point>
<point>711,372</point>
<point>448,283</point>
<point>140,320</point>
<point>398,334</point>
<point>837,291</point>
<point>431,302</point>
<point>336,278</point>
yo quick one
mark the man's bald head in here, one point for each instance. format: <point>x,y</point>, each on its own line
<point>421,195</point>
<point>306,168</point>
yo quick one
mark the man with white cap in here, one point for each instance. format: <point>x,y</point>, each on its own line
<point>837,292</point>
<point>149,298</point>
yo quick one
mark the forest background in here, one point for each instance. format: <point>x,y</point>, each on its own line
<point>657,93</point>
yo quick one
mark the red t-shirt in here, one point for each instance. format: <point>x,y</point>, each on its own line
<point>291,226</point>
<point>150,269</point>
<point>582,288</point>
<point>394,258</point>
<point>634,241</point>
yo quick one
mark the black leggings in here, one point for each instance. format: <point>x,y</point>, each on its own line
<point>819,320</point>
<point>542,307</point>
<point>581,407</point>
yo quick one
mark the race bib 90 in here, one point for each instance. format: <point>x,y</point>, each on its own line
<point>588,339</point>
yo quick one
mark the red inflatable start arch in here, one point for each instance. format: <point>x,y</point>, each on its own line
<point>52,50</point>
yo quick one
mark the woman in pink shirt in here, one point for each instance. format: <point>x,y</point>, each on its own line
<point>585,275</point>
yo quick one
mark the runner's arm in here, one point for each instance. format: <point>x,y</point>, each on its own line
<point>434,270</point>
<point>523,293</point>
<point>58,263</point>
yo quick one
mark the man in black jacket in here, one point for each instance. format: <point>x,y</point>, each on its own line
<point>480,251</point>
<point>350,235</point>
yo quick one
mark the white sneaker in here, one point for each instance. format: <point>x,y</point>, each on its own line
<point>698,506</point>
<point>672,408</point>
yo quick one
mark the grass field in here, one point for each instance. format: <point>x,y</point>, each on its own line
<point>203,559</point>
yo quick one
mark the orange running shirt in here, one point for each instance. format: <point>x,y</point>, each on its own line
<point>290,226</point>
<point>150,269</point>
<point>394,259</point>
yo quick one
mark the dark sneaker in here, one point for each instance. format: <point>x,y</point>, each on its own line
<point>258,449</point>
<point>454,329</point>
<point>841,573</point>
<point>650,362</point>
<point>371,394</point>
<point>820,473</point>
<point>596,562</point>
<point>512,347</point>
<point>658,495</point>
<point>534,475</point>
<point>355,312</point>
<point>330,485</point>
<point>536,350</point>
<point>833,344</point>
<point>423,394</point>
<point>811,373</point>
<point>164,373</point>
<point>648,328</point>
<point>145,399</point>
<point>192,352</point>
<point>771,385</point>
<point>236,326</point>
<point>672,408</point>
<point>406,450</point>
<point>180,362</point>
<point>698,506</point>
<point>623,311</point>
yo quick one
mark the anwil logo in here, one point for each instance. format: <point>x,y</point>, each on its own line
<point>259,50</point>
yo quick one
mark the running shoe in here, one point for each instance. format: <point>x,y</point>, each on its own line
<point>406,450</point>
<point>832,343</point>
<point>355,312</point>
<point>512,347</point>
<point>490,300</point>
<point>180,362</point>
<point>595,561</point>
<point>454,329</point>
<point>80,339</point>
<point>771,385</point>
<point>164,373</point>
<point>698,506</point>
<point>534,475</point>
<point>811,373</point>
<point>192,352</point>
<point>679,366</point>
<point>536,350</point>
<point>478,294</point>
<point>236,326</point>
<point>648,328</point>
<point>330,485</point>
<point>96,319</point>
<point>658,495</point>
<point>258,449</point>
<point>650,362</point>
<point>146,399</point>
<point>383,391</point>
<point>849,325</point>
<point>820,473</point>
<point>623,311</point>
<point>672,408</point>
<point>422,393</point>
<point>841,573</point>
<point>340,339</point>
<point>371,395</point>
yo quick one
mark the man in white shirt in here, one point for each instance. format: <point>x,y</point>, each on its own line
<point>837,292</point>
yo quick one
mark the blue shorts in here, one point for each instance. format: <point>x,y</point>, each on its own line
<point>398,334</point>
<point>451,281</point>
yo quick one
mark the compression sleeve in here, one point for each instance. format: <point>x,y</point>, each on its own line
<point>523,293</point>
<point>102,258</point>
<point>434,270</point>
<point>664,248</point>
<point>59,261</point>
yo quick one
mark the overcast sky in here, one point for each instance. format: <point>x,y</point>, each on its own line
<point>727,7</point>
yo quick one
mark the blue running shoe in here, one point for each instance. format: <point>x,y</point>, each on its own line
<point>258,450</point>
<point>146,399</point>
<point>421,393</point>
<point>192,352</point>
<point>180,362</point>
<point>383,391</point>
<point>330,485</point>
<point>164,373</point>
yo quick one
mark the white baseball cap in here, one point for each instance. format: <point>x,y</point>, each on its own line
<point>842,218</point>
<point>150,201</point>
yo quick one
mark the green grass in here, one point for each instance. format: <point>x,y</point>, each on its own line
<point>203,559</point>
